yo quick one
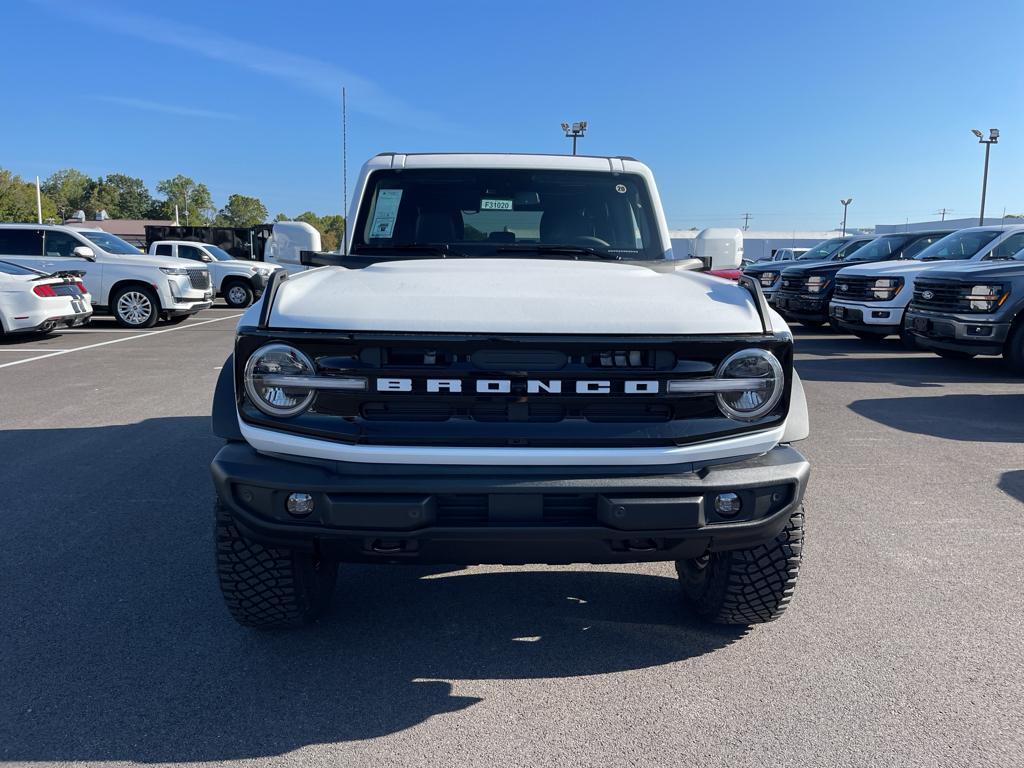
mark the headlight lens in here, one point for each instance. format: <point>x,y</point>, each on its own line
<point>886,288</point>
<point>174,270</point>
<point>769,278</point>
<point>753,403</point>
<point>274,360</point>
<point>816,283</point>
<point>987,298</point>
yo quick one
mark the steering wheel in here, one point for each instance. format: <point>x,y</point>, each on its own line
<point>589,240</point>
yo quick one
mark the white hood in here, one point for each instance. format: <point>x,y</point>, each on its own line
<point>514,296</point>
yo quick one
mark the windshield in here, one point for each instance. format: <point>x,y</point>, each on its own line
<point>111,243</point>
<point>847,249</point>
<point>879,249</point>
<point>218,253</point>
<point>489,212</point>
<point>16,269</point>
<point>823,250</point>
<point>959,245</point>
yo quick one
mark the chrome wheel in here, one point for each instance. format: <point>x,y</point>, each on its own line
<point>134,307</point>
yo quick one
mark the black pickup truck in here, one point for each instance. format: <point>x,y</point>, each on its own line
<point>972,309</point>
<point>806,290</point>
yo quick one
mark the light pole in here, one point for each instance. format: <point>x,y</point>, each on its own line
<point>993,138</point>
<point>846,204</point>
<point>575,131</point>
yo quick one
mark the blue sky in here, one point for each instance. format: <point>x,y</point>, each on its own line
<point>778,109</point>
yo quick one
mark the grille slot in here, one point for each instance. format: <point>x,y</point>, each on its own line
<point>857,288</point>
<point>944,296</point>
<point>558,509</point>
<point>470,509</point>
<point>794,284</point>
<point>200,278</point>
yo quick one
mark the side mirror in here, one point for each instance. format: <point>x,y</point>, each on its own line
<point>84,252</point>
<point>207,259</point>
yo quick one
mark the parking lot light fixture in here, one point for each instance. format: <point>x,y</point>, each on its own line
<point>846,204</point>
<point>993,138</point>
<point>574,131</point>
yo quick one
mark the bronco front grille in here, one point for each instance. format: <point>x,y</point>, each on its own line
<point>200,278</point>
<point>538,391</point>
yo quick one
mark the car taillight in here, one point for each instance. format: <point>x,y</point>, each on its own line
<point>81,287</point>
<point>45,291</point>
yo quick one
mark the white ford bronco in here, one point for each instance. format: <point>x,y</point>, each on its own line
<point>505,364</point>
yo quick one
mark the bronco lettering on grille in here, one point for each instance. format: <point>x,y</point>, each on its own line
<point>532,386</point>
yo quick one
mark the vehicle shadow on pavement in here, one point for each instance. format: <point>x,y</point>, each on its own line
<point>1012,484</point>
<point>116,645</point>
<point>905,370</point>
<point>974,418</point>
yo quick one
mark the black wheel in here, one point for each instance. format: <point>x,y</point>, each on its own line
<point>176,319</point>
<point>953,354</point>
<point>869,336</point>
<point>269,588</point>
<point>745,586</point>
<point>238,294</point>
<point>135,306</point>
<point>907,339</point>
<point>815,324</point>
<point>1013,351</point>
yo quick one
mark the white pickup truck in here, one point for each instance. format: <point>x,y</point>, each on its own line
<point>506,364</point>
<point>239,281</point>
<point>137,289</point>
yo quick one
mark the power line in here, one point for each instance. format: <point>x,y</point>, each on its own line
<point>746,221</point>
<point>943,211</point>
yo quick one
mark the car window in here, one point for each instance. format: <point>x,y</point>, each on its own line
<point>190,252</point>
<point>21,242</point>
<point>111,243</point>
<point>1008,247</point>
<point>60,244</point>
<point>164,249</point>
<point>959,245</point>
<point>917,246</point>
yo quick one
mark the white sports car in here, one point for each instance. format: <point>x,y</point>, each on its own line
<point>31,300</point>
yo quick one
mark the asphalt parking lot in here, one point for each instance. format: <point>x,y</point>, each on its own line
<point>903,645</point>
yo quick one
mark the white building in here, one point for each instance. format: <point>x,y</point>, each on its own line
<point>757,243</point>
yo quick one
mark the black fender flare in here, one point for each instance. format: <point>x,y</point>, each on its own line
<point>225,410</point>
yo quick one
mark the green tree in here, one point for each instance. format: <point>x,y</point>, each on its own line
<point>69,189</point>
<point>242,211</point>
<point>188,196</point>
<point>331,228</point>
<point>18,199</point>
<point>130,199</point>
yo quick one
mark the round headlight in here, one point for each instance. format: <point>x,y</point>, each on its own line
<point>755,402</point>
<point>272,398</point>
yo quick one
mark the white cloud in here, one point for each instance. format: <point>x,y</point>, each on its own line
<point>169,109</point>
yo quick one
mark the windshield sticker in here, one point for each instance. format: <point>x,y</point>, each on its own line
<point>620,188</point>
<point>495,205</point>
<point>385,212</point>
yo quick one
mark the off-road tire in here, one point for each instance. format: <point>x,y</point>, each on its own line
<point>907,338</point>
<point>238,294</point>
<point>954,354</point>
<point>135,295</point>
<point>1013,350</point>
<point>266,587</point>
<point>745,586</point>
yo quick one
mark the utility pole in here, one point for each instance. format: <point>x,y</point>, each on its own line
<point>943,211</point>
<point>993,138</point>
<point>574,131</point>
<point>746,221</point>
<point>846,204</point>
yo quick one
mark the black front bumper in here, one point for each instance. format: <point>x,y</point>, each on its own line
<point>469,515</point>
<point>802,307</point>
<point>973,334</point>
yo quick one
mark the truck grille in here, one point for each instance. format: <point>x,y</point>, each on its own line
<point>514,415</point>
<point>200,278</point>
<point>794,284</point>
<point>938,295</point>
<point>855,288</point>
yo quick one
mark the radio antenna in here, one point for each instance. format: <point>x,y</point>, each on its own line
<point>344,171</point>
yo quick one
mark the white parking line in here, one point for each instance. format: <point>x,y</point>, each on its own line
<point>115,341</point>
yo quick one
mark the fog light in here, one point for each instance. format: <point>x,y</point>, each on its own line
<point>299,504</point>
<point>727,504</point>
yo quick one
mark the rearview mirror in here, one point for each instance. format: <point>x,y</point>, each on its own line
<point>84,252</point>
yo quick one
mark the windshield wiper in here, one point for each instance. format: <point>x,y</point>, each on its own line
<point>442,249</point>
<point>560,250</point>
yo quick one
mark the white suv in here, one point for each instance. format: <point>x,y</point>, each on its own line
<point>870,299</point>
<point>239,281</point>
<point>138,290</point>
